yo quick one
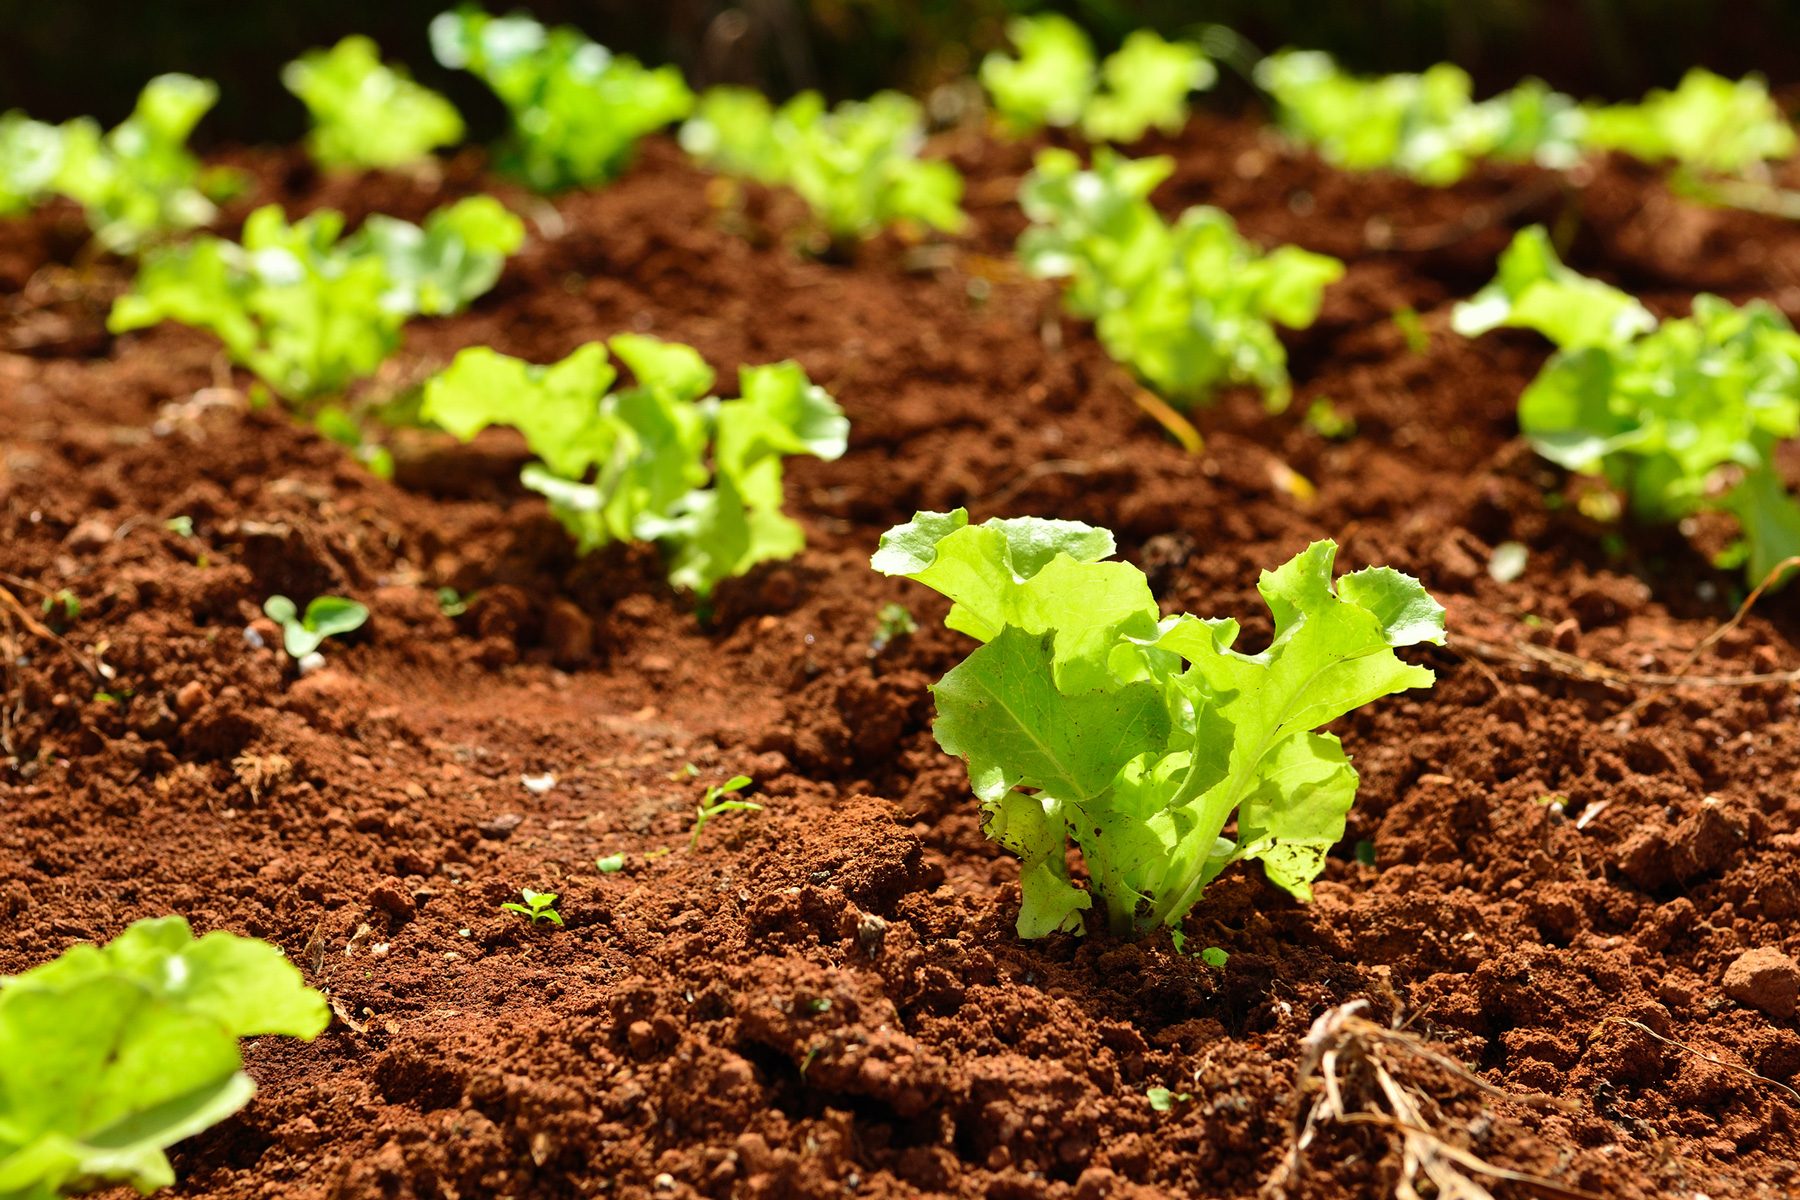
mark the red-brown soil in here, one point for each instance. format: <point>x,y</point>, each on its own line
<point>827,998</point>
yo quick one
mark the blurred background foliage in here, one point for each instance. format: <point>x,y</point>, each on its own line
<point>62,58</point>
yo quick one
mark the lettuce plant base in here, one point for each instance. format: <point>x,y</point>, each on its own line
<point>827,998</point>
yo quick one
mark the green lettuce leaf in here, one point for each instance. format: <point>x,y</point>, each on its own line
<point>1190,308</point>
<point>1146,86</point>
<point>1051,79</point>
<point>310,311</point>
<point>30,157</point>
<point>109,1055</point>
<point>578,110</point>
<point>1534,290</point>
<point>438,269</point>
<point>139,182</point>
<point>365,113</point>
<point>1708,124</point>
<point>1426,126</point>
<point>857,165</point>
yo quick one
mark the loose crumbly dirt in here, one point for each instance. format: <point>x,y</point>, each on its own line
<point>827,998</point>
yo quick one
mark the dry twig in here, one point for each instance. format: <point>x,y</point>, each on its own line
<point>1352,1068</point>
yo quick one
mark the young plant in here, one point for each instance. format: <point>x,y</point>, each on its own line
<point>110,1055</point>
<point>857,166</point>
<point>719,800</point>
<point>1427,126</point>
<point>578,110</point>
<point>309,311</point>
<point>660,461</point>
<point>365,113</point>
<point>1708,126</point>
<point>893,622</point>
<point>30,155</point>
<point>139,182</point>
<point>1054,81</point>
<point>1087,715</point>
<point>1679,417</point>
<point>326,616</point>
<point>1051,79</point>
<point>538,906</point>
<point>1189,307</point>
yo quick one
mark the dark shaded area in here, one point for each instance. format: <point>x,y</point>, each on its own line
<point>91,56</point>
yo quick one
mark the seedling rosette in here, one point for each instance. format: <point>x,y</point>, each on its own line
<point>578,110</point>
<point>1189,307</point>
<point>1053,80</point>
<point>366,113</point>
<point>310,309</point>
<point>1088,716</point>
<point>1679,417</point>
<point>857,166</point>
<point>660,461</point>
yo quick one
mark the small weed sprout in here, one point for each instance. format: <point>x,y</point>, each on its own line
<point>893,622</point>
<point>62,607</point>
<point>325,617</point>
<point>712,804</point>
<point>1162,1099</point>
<point>538,906</point>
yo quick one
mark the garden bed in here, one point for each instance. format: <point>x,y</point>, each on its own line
<point>827,997</point>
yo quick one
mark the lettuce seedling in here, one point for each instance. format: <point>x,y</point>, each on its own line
<point>365,113</point>
<point>310,312</point>
<point>578,110</point>
<point>1054,81</point>
<point>326,616</point>
<point>1145,85</point>
<point>857,166</point>
<point>1049,82</point>
<point>1679,417</point>
<point>1189,307</point>
<point>1087,715</point>
<point>30,156</point>
<point>1707,126</point>
<point>538,906</point>
<point>110,1055</point>
<point>660,461</point>
<point>139,182</point>
<point>1425,126</point>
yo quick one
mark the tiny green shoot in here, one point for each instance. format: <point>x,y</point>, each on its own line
<point>326,616</point>
<point>893,622</point>
<point>715,802</point>
<point>453,603</point>
<point>538,906</point>
<point>1406,319</point>
<point>1214,957</point>
<point>612,864</point>
<point>64,604</point>
<point>1324,419</point>
<point>1162,1099</point>
<point>182,526</point>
